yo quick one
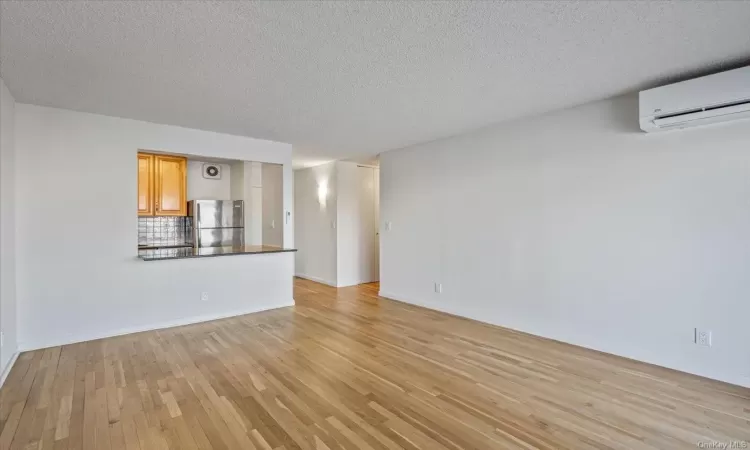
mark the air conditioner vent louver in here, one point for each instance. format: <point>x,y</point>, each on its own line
<point>697,110</point>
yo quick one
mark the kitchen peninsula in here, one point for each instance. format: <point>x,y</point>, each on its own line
<point>109,290</point>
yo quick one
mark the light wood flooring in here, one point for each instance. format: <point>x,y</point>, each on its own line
<point>344,369</point>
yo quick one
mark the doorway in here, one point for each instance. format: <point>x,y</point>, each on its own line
<point>369,220</point>
<point>337,223</point>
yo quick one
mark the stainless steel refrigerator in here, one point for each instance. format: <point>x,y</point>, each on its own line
<point>217,223</point>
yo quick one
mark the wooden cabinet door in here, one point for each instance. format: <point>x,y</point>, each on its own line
<point>171,186</point>
<point>145,184</point>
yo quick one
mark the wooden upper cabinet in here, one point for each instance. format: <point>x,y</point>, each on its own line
<point>162,185</point>
<point>145,184</point>
<point>171,186</point>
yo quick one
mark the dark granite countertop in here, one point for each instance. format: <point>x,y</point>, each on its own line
<point>152,246</point>
<point>193,252</point>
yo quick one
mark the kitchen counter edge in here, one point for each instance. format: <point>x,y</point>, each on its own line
<point>237,252</point>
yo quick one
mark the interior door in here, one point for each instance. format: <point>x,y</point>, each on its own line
<point>145,184</point>
<point>171,186</point>
<point>369,239</point>
<point>376,221</point>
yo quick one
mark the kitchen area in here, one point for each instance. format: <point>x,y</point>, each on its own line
<point>192,207</point>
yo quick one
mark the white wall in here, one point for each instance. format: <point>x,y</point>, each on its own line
<point>237,180</point>
<point>200,188</point>
<point>315,233</point>
<point>78,276</point>
<point>254,203</point>
<point>8,312</point>
<point>348,228</point>
<point>246,185</point>
<point>273,213</point>
<point>577,226</point>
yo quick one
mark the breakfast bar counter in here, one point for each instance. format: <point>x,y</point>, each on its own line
<point>202,252</point>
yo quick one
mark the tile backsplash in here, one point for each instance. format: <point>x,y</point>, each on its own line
<point>164,230</point>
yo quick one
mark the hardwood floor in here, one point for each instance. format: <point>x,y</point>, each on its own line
<point>345,369</point>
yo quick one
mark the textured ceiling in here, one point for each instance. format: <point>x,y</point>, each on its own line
<point>351,79</point>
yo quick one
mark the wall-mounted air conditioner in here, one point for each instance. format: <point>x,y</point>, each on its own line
<point>715,98</point>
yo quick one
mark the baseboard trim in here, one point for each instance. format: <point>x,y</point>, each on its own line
<point>735,380</point>
<point>390,296</point>
<point>24,346</point>
<point>12,361</point>
<point>316,279</point>
<point>399,298</point>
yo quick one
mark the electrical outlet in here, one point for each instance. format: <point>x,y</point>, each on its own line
<point>204,296</point>
<point>388,226</point>
<point>438,288</point>
<point>703,337</point>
